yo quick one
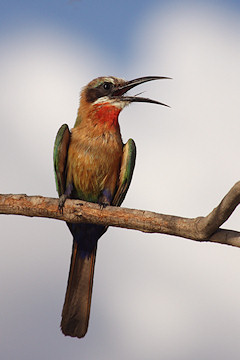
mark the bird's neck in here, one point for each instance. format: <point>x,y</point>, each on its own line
<point>106,115</point>
<point>101,115</point>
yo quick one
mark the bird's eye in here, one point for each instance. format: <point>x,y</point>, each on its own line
<point>107,86</point>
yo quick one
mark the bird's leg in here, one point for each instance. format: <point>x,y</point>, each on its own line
<point>105,199</point>
<point>65,196</point>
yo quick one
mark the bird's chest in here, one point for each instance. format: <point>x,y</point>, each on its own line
<point>94,162</point>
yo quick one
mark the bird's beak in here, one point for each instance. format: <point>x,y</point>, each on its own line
<point>120,90</point>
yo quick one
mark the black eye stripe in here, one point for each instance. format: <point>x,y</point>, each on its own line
<point>107,85</point>
<point>101,90</point>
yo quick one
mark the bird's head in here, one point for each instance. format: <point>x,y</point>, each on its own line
<point>108,94</point>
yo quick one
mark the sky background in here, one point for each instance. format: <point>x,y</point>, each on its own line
<point>154,296</point>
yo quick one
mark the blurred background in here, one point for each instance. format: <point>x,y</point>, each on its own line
<point>154,296</point>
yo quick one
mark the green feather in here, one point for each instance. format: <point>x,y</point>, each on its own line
<point>60,157</point>
<point>126,172</point>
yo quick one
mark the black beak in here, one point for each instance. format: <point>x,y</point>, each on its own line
<point>120,90</point>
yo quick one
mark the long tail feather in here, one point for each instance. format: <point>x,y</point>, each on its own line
<point>76,308</point>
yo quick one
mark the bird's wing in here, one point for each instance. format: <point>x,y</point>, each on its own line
<point>126,172</point>
<point>60,157</point>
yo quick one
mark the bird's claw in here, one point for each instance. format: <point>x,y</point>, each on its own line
<point>103,202</point>
<point>61,202</point>
<point>103,205</point>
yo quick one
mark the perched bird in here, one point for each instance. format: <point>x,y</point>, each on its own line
<point>91,163</point>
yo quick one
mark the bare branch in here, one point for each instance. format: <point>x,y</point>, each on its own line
<point>199,229</point>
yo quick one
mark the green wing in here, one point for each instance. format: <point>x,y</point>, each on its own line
<point>60,157</point>
<point>126,172</point>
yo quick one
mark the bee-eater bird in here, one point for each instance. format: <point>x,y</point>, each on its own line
<point>91,163</point>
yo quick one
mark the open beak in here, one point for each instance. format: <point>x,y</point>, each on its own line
<point>120,90</point>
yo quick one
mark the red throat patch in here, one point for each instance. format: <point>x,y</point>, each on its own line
<point>107,114</point>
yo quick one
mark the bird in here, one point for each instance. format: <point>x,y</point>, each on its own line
<point>92,164</point>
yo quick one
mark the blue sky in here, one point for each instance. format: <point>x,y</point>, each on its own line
<point>154,296</point>
<point>107,24</point>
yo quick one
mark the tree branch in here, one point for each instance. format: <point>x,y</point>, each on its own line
<point>77,211</point>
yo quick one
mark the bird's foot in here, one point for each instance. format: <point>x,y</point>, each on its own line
<point>104,200</point>
<point>61,202</point>
<point>64,197</point>
<point>103,205</point>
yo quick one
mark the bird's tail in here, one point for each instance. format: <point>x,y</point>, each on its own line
<point>76,308</point>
